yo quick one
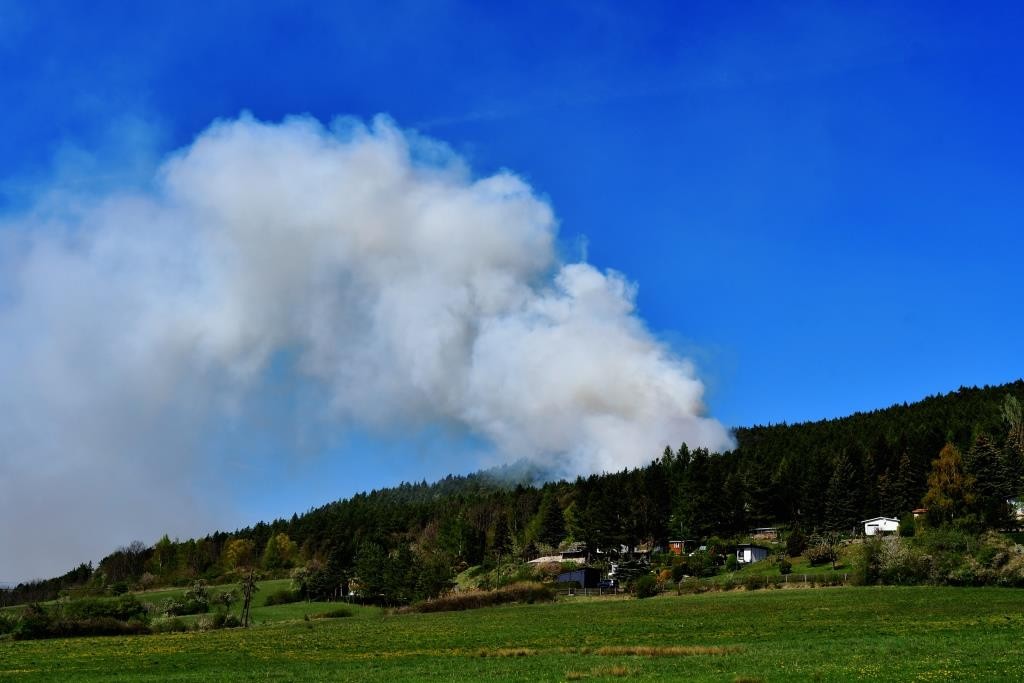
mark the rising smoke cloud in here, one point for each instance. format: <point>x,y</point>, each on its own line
<point>412,292</point>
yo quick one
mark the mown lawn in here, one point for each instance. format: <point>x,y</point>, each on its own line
<point>884,633</point>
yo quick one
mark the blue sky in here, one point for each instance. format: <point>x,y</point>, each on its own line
<point>820,203</point>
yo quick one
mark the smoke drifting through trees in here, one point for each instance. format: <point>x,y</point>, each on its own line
<point>414,293</point>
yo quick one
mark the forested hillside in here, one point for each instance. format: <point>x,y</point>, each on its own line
<point>816,475</point>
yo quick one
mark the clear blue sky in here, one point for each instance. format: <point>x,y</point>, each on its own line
<point>821,204</point>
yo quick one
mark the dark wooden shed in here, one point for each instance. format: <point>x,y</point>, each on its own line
<point>586,577</point>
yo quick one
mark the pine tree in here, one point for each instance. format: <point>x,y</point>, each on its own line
<point>552,521</point>
<point>502,537</point>
<point>986,464</point>
<point>906,490</point>
<point>842,506</point>
<point>1013,415</point>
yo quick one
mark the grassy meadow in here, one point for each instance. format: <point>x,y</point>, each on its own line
<point>877,633</point>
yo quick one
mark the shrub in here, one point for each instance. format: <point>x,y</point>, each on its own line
<point>198,592</point>
<point>796,543</point>
<point>282,597</point>
<point>519,592</point>
<point>716,544</point>
<point>678,572</point>
<point>176,608</point>
<point>168,625</point>
<point>785,566</point>
<point>549,570</point>
<point>217,620</point>
<point>752,583</point>
<point>820,554</point>
<point>899,563</point>
<point>646,586</point>
<point>8,622</point>
<point>37,623</point>
<point>865,563</point>
<point>1012,572</point>
<point>731,563</point>
<point>728,584</point>
<point>522,574</point>
<point>945,539</point>
<point>123,608</point>
<point>701,564</point>
<point>226,598</point>
<point>908,525</point>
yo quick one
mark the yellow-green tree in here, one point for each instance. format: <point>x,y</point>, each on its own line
<point>279,552</point>
<point>165,555</point>
<point>950,489</point>
<point>239,553</point>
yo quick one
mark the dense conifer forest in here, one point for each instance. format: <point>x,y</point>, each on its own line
<point>814,476</point>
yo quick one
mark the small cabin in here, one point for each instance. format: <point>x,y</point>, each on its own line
<point>765,533</point>
<point>576,551</point>
<point>748,553</point>
<point>680,547</point>
<point>586,577</point>
<point>877,526</point>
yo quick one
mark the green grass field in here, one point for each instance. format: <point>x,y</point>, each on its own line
<point>884,633</point>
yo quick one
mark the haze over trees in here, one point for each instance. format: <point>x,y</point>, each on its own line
<point>959,454</point>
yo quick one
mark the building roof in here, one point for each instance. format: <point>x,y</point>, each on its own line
<point>880,519</point>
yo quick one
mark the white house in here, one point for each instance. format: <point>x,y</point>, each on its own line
<point>880,525</point>
<point>747,553</point>
<point>1016,508</point>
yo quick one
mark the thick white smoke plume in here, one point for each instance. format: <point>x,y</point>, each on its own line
<point>412,292</point>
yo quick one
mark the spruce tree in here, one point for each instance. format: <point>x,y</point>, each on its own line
<point>842,506</point>
<point>906,490</point>
<point>552,521</point>
<point>992,486</point>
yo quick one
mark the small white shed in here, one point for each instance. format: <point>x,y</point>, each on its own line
<point>747,553</point>
<point>880,525</point>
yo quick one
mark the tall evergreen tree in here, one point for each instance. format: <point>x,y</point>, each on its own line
<point>502,542</point>
<point>906,491</point>
<point>987,466</point>
<point>552,521</point>
<point>1013,415</point>
<point>842,507</point>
